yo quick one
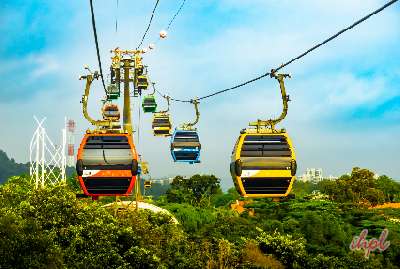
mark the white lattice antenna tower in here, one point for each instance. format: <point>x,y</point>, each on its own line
<point>47,160</point>
<point>71,142</point>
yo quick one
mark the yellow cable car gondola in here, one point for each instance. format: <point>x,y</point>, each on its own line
<point>161,123</point>
<point>147,184</point>
<point>263,162</point>
<point>141,80</point>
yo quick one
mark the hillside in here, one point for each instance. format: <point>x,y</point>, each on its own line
<point>8,167</point>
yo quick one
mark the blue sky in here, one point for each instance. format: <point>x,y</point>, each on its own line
<point>346,95</point>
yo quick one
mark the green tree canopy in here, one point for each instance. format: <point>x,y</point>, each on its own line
<point>193,190</point>
<point>360,186</point>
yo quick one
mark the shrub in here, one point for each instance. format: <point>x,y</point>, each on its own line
<point>291,252</point>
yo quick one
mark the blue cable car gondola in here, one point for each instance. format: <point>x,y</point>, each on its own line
<point>185,143</point>
<point>185,146</point>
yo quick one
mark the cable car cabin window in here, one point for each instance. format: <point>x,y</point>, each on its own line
<point>107,151</point>
<point>111,112</point>
<point>162,132</point>
<point>109,142</point>
<point>186,137</point>
<point>149,101</point>
<point>185,140</point>
<point>263,152</point>
<point>161,122</point>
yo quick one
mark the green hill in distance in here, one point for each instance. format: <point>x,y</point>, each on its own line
<point>8,167</point>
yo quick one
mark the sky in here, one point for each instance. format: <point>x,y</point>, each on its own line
<point>345,96</point>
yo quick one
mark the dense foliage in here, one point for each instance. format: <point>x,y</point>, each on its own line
<point>361,186</point>
<point>195,190</point>
<point>50,228</point>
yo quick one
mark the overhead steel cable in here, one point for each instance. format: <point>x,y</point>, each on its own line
<point>139,126</point>
<point>116,16</point>
<point>170,22</point>
<point>176,14</point>
<point>148,25</point>
<point>97,44</point>
<point>293,59</point>
<point>337,34</point>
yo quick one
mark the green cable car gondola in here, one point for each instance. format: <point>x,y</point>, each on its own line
<point>113,92</point>
<point>149,104</point>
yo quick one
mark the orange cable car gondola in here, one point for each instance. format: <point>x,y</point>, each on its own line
<point>107,164</point>
<point>110,111</point>
<point>107,161</point>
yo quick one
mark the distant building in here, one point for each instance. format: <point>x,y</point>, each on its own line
<point>314,174</point>
<point>166,181</point>
<point>330,177</point>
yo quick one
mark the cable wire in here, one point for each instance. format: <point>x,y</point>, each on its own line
<point>139,126</point>
<point>148,25</point>
<point>176,14</point>
<point>293,59</point>
<point>116,17</point>
<point>337,34</point>
<point>97,44</point>
<point>155,42</point>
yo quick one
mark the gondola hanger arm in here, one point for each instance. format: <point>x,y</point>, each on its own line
<point>271,123</point>
<point>89,79</point>
<point>168,103</point>
<point>189,126</point>
<point>152,85</point>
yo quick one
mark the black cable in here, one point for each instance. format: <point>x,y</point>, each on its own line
<point>235,87</point>
<point>116,17</point>
<point>149,24</point>
<point>337,34</point>
<point>294,59</point>
<point>176,14</point>
<point>139,127</point>
<point>97,44</point>
<point>171,20</point>
<point>218,92</point>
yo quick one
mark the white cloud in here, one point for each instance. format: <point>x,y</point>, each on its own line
<point>38,65</point>
<point>350,91</point>
<point>44,64</point>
